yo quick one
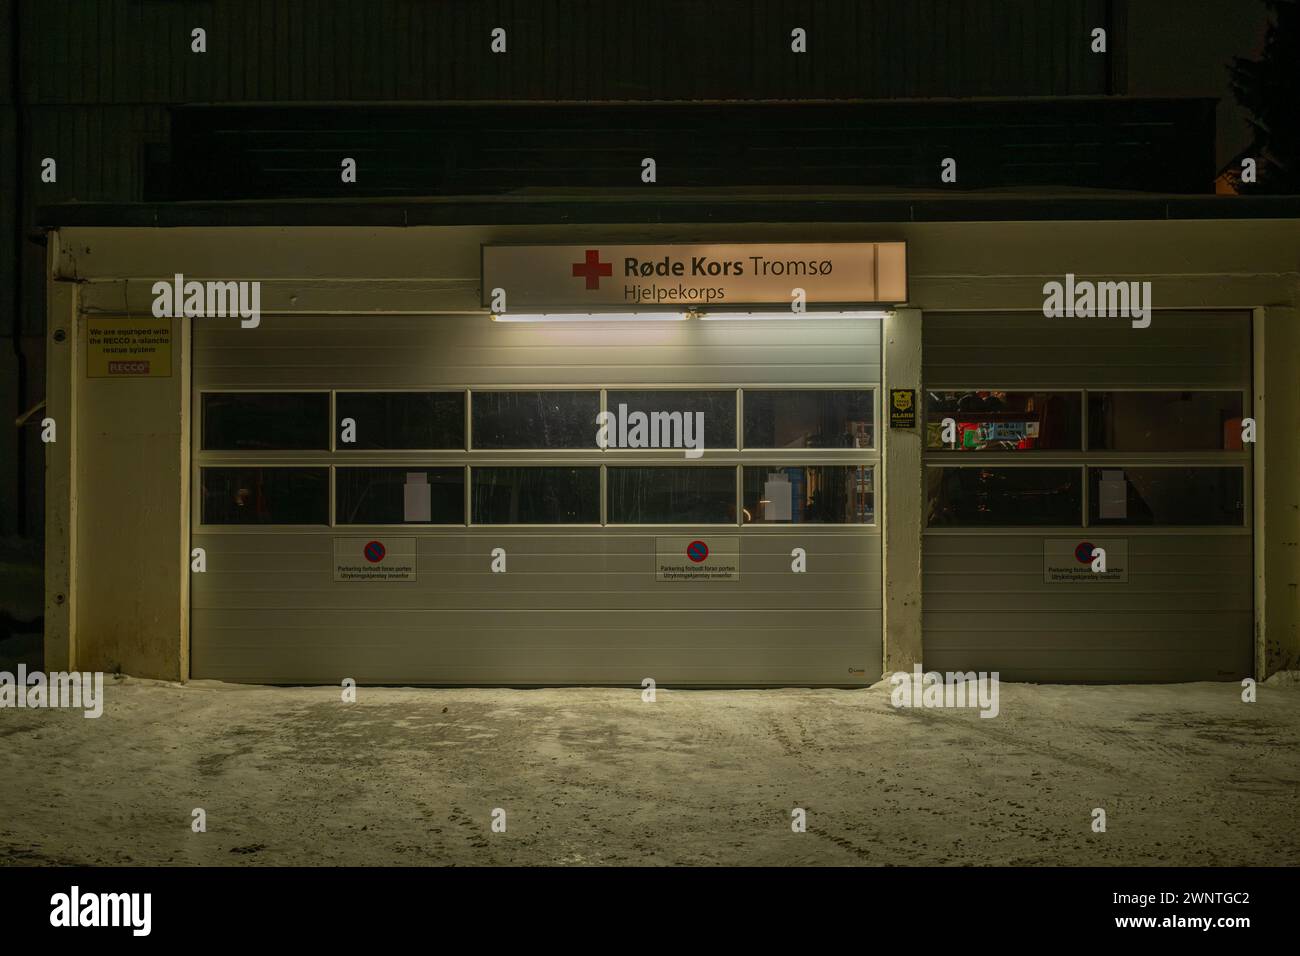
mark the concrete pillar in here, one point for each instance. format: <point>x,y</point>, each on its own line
<point>118,492</point>
<point>62,352</point>
<point>1276,493</point>
<point>902,493</point>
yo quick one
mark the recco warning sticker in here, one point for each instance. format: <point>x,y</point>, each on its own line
<point>128,348</point>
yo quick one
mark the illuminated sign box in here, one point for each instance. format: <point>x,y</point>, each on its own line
<point>599,278</point>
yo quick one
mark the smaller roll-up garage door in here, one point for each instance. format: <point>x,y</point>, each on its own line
<point>1052,441</point>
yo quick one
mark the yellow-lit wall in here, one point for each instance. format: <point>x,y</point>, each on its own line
<point>132,480</point>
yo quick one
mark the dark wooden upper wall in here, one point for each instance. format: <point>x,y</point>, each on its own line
<point>138,51</point>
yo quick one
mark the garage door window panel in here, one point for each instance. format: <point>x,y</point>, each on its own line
<point>809,418</point>
<point>718,407</point>
<point>672,495</point>
<point>990,420</point>
<point>992,497</point>
<point>399,496</point>
<point>535,495</point>
<point>549,419</point>
<point>265,421</point>
<point>809,494</point>
<point>403,420</point>
<point>1143,421</point>
<point>1167,496</point>
<point>264,496</point>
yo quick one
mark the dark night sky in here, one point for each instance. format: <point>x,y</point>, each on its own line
<point>1182,48</point>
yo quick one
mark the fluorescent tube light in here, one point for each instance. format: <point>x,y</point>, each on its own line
<point>590,317</point>
<point>798,316</point>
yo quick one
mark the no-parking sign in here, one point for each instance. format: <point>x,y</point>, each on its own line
<point>697,559</point>
<point>374,559</point>
<point>1069,560</point>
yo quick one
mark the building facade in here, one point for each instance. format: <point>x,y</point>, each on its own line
<point>924,475</point>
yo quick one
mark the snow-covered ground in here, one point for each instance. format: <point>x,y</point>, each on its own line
<point>1187,774</point>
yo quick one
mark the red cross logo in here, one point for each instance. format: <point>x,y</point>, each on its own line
<point>592,269</point>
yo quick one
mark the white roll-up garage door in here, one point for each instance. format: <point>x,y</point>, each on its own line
<point>1070,437</point>
<point>470,530</point>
